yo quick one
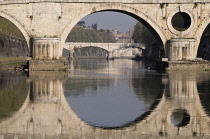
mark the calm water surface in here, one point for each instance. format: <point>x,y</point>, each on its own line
<point>112,93</point>
<point>96,96</point>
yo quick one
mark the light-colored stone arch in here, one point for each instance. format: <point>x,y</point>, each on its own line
<point>20,26</point>
<point>200,30</point>
<point>111,7</point>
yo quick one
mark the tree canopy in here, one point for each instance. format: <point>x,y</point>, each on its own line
<point>82,34</point>
<point>8,28</point>
<point>142,34</point>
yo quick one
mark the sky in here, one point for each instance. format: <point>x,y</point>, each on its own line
<point>110,20</point>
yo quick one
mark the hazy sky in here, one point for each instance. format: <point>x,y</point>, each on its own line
<point>110,20</point>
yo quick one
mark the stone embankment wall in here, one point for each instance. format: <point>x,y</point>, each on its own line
<point>12,47</point>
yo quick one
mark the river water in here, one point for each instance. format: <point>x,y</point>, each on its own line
<point>105,99</point>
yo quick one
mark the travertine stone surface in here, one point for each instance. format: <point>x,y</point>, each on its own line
<point>55,19</point>
<point>181,49</point>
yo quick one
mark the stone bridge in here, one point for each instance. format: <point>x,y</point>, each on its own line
<point>111,48</point>
<point>46,30</point>
<point>46,113</point>
<point>106,46</point>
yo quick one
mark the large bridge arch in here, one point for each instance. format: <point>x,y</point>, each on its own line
<point>19,25</point>
<point>118,7</point>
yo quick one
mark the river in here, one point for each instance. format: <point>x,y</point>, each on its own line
<point>105,99</point>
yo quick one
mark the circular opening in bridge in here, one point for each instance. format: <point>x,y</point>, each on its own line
<point>180,118</point>
<point>181,21</point>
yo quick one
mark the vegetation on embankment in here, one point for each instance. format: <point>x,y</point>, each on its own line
<point>13,91</point>
<point>142,34</point>
<point>13,63</point>
<point>149,37</point>
<point>12,42</point>
<point>83,34</point>
<point>8,28</point>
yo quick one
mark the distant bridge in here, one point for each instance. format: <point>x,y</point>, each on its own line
<point>109,47</point>
<point>106,46</point>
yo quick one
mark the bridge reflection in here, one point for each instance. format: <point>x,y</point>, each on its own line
<point>13,92</point>
<point>46,113</point>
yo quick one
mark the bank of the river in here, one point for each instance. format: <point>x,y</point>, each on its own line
<point>197,64</point>
<point>22,64</point>
<point>14,63</point>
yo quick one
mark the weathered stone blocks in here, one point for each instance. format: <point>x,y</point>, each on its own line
<point>46,48</point>
<point>181,49</point>
<point>47,65</point>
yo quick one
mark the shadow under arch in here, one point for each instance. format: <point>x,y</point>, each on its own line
<point>117,7</point>
<point>203,47</point>
<point>90,49</point>
<point>94,47</point>
<point>199,33</point>
<point>19,25</point>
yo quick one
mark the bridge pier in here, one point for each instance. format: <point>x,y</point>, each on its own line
<point>109,55</point>
<point>181,49</point>
<point>182,55</point>
<point>46,54</point>
<point>46,48</point>
<point>71,54</point>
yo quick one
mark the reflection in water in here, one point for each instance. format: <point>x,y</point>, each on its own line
<point>113,94</point>
<point>140,103</point>
<point>13,92</point>
<point>180,118</point>
<point>204,90</point>
<point>46,87</point>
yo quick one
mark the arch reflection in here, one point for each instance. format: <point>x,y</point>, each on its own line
<point>13,92</point>
<point>48,114</point>
<point>203,85</point>
<point>116,95</point>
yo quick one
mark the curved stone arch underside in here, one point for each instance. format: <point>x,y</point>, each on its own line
<point>18,25</point>
<point>111,7</point>
<point>200,30</point>
<point>103,48</point>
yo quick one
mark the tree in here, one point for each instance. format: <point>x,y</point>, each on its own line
<point>94,26</point>
<point>81,23</point>
<point>142,34</point>
<point>8,28</point>
<point>82,34</point>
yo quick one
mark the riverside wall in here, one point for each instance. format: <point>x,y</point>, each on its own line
<point>12,47</point>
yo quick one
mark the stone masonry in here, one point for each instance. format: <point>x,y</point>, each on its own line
<point>42,26</point>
